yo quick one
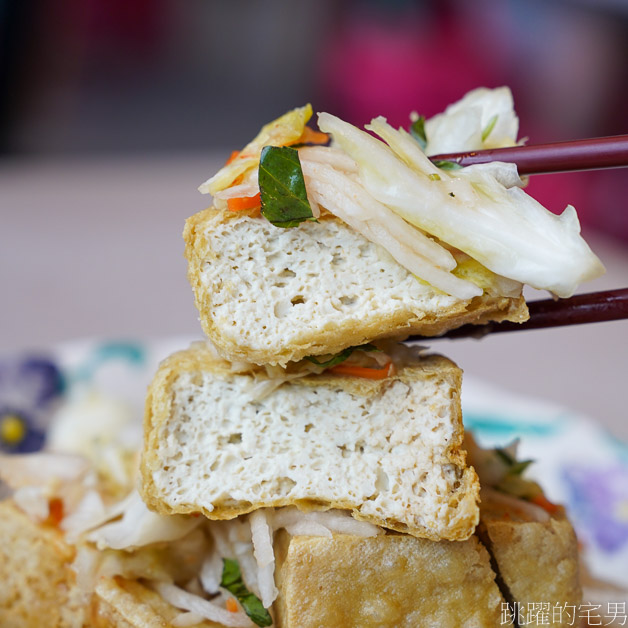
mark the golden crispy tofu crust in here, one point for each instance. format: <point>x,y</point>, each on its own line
<point>385,581</point>
<point>537,561</point>
<point>35,573</point>
<point>122,603</point>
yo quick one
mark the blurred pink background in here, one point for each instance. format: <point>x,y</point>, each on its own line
<point>93,77</point>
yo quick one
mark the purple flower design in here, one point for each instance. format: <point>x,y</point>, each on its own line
<point>598,500</point>
<point>29,390</point>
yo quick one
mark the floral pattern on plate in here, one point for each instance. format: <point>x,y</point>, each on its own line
<point>30,390</point>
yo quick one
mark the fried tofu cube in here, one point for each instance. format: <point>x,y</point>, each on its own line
<point>389,580</point>
<point>537,562</point>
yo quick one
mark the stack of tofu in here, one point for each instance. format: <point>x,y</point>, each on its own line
<point>302,401</point>
<point>301,466</point>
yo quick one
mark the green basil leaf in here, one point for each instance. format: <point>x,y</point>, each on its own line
<point>489,127</point>
<point>417,130</point>
<point>282,187</point>
<point>253,608</point>
<point>342,356</point>
<point>505,456</point>
<point>515,467</point>
<point>443,164</point>
<point>232,581</point>
<point>519,467</point>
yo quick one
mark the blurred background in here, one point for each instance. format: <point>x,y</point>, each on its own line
<point>113,112</point>
<point>86,77</point>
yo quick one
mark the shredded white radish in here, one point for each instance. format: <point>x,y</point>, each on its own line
<point>19,470</point>
<point>221,539</point>
<point>211,572</point>
<point>248,567</point>
<point>321,523</point>
<point>337,521</point>
<point>298,523</point>
<point>233,540</point>
<point>238,191</point>
<point>407,245</point>
<point>238,530</point>
<point>187,619</point>
<point>268,592</point>
<point>85,566</point>
<point>289,515</point>
<point>314,206</point>
<point>194,586</point>
<point>262,387</point>
<point>307,528</point>
<point>195,604</point>
<point>89,514</point>
<point>140,526</point>
<point>262,536</point>
<point>33,500</point>
<point>337,202</point>
<point>365,207</point>
<point>502,228</point>
<point>536,513</point>
<point>329,155</point>
<point>117,509</point>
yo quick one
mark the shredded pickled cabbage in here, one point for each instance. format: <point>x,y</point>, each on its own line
<point>502,228</point>
<point>140,526</point>
<point>483,118</point>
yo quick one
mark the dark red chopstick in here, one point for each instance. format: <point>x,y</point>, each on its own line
<point>592,154</point>
<point>594,307</point>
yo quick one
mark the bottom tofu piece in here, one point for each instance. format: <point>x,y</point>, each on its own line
<point>39,585</point>
<point>392,580</point>
<point>35,572</point>
<point>537,562</point>
<point>122,603</point>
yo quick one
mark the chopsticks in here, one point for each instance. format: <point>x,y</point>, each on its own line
<point>591,154</point>
<point>594,307</point>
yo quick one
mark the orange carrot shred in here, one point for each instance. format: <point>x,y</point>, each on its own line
<point>310,136</point>
<point>244,202</point>
<point>363,371</point>
<point>546,504</point>
<point>233,155</point>
<point>232,605</point>
<point>55,511</point>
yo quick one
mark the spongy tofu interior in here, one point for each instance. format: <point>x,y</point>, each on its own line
<point>269,295</point>
<point>387,450</point>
